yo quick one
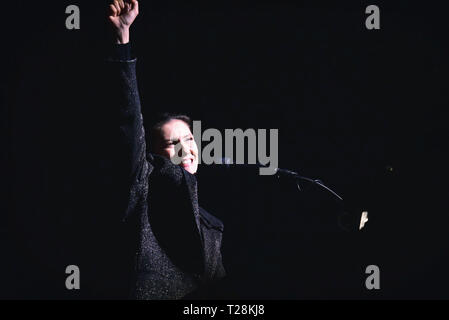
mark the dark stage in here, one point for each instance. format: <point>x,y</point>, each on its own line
<point>364,111</point>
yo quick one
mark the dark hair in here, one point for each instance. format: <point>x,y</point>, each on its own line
<point>162,118</point>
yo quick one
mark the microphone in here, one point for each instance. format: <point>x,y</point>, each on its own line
<point>346,221</point>
<point>278,172</point>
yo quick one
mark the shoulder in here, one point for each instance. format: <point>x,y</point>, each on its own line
<point>164,170</point>
<point>210,220</point>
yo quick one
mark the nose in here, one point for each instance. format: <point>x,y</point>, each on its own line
<point>185,149</point>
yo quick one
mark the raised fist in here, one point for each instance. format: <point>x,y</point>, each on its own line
<point>122,14</point>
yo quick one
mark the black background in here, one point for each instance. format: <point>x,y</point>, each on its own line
<point>349,103</point>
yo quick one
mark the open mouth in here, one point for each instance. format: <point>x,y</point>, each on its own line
<point>187,162</point>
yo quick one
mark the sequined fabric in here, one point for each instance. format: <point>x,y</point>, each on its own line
<point>176,244</point>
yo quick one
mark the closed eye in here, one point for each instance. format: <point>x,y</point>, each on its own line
<point>171,143</point>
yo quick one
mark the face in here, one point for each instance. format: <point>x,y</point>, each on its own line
<point>176,135</point>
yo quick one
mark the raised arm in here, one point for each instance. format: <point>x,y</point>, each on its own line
<point>123,96</point>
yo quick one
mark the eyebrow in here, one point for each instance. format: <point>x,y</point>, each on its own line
<point>186,136</point>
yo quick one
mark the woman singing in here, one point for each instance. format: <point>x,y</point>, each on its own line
<point>175,244</point>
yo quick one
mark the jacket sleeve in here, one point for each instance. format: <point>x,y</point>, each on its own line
<point>124,104</point>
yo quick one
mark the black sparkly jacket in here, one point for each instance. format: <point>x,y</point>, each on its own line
<point>174,245</point>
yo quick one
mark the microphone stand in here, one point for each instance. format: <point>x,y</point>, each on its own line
<point>287,173</point>
<point>283,172</point>
<point>297,177</point>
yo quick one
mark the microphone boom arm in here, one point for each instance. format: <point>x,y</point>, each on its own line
<point>284,172</point>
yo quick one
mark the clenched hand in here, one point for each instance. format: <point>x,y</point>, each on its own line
<point>122,14</point>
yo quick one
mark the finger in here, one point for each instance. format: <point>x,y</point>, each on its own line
<point>135,5</point>
<point>117,7</point>
<point>121,4</point>
<point>112,10</point>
